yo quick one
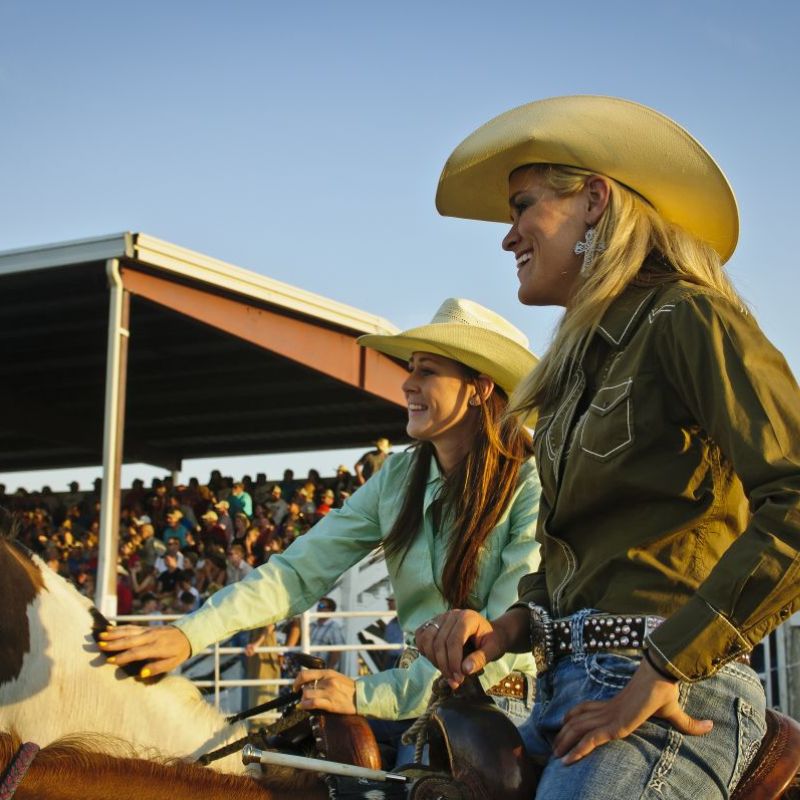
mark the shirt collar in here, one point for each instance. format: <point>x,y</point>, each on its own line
<point>619,321</point>
<point>434,473</point>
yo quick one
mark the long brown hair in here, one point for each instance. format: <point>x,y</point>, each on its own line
<point>475,495</point>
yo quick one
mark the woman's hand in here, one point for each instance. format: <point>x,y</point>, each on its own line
<point>326,690</point>
<point>591,724</point>
<point>442,639</point>
<point>163,647</point>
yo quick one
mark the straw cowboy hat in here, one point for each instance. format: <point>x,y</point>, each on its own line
<point>631,143</point>
<point>470,334</point>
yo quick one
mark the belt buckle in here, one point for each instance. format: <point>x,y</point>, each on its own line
<point>541,637</point>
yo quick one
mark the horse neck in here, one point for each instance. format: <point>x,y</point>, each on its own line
<point>68,774</point>
<point>168,717</point>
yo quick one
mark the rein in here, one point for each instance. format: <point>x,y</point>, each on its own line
<point>17,769</point>
<point>233,747</point>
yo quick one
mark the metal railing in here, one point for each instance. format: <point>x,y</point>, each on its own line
<point>217,651</point>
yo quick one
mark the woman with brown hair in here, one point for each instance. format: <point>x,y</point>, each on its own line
<point>668,445</point>
<point>455,515</point>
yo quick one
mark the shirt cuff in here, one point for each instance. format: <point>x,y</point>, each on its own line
<point>695,642</point>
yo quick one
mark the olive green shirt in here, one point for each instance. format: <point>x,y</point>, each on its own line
<point>670,473</point>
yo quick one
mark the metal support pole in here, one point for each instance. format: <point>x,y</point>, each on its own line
<point>781,635</point>
<point>113,429</point>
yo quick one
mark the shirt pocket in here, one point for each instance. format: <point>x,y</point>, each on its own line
<point>607,428</point>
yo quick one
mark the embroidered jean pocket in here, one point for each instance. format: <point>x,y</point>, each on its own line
<point>750,730</point>
<point>607,427</point>
<point>611,671</point>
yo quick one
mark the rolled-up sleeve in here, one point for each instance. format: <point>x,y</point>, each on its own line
<point>294,580</point>
<point>742,394</point>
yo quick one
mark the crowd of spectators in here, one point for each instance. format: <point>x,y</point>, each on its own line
<point>177,543</point>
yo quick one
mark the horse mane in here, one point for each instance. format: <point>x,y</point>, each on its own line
<point>68,769</point>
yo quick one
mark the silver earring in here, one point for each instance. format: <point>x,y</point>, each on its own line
<point>473,401</point>
<point>589,246</point>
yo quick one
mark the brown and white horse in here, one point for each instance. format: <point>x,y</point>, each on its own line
<point>54,682</point>
<point>68,770</point>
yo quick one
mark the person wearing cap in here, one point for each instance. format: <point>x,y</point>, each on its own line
<point>668,445</point>
<point>372,460</point>
<point>455,514</point>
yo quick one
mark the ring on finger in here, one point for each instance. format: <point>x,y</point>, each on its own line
<point>431,624</point>
<point>314,685</point>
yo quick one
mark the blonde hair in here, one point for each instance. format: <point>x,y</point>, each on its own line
<point>638,246</point>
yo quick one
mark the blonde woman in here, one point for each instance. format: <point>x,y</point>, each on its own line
<point>668,445</point>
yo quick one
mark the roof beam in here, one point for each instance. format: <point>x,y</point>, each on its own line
<point>330,352</point>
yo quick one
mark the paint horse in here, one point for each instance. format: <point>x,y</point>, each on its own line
<point>54,682</point>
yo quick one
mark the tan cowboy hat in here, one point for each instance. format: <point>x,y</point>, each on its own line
<point>631,143</point>
<point>468,333</point>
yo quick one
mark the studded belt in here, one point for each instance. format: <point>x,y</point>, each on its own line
<point>604,632</point>
<point>608,632</point>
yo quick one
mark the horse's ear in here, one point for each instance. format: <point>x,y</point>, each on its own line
<point>9,524</point>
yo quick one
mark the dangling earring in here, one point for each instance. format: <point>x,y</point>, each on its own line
<point>589,246</point>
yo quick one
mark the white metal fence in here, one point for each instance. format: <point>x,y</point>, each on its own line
<point>218,653</point>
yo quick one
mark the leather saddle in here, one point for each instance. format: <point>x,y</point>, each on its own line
<point>474,743</point>
<point>774,771</point>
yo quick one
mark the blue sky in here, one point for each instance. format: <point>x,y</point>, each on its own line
<point>304,141</point>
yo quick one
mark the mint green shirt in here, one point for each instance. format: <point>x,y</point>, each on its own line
<point>293,581</point>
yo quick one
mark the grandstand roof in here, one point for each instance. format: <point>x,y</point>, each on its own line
<point>221,361</point>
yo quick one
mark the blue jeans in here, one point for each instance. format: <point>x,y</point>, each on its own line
<point>655,761</point>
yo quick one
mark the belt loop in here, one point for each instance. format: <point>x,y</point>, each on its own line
<point>577,624</point>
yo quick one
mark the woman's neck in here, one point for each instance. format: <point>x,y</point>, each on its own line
<point>451,450</point>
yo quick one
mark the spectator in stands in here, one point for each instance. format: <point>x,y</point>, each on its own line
<point>294,524</point>
<point>212,533</point>
<point>240,501</point>
<point>186,586</point>
<point>176,527</point>
<point>241,523</point>
<point>372,461</point>
<point>151,548</point>
<point>144,578</point>
<point>211,574</point>
<point>288,484</point>
<point>151,607</point>
<point>156,504</point>
<point>325,505</point>
<point>186,602</point>
<point>456,516</point>
<point>222,507</point>
<point>343,485</point>
<point>167,581</point>
<point>305,499</point>
<point>238,568</point>
<point>74,497</point>
<point>277,506</point>
<point>188,519</point>
<point>174,550</point>
<point>261,490</point>
<point>327,631</point>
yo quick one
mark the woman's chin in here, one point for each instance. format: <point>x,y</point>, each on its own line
<point>416,430</point>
